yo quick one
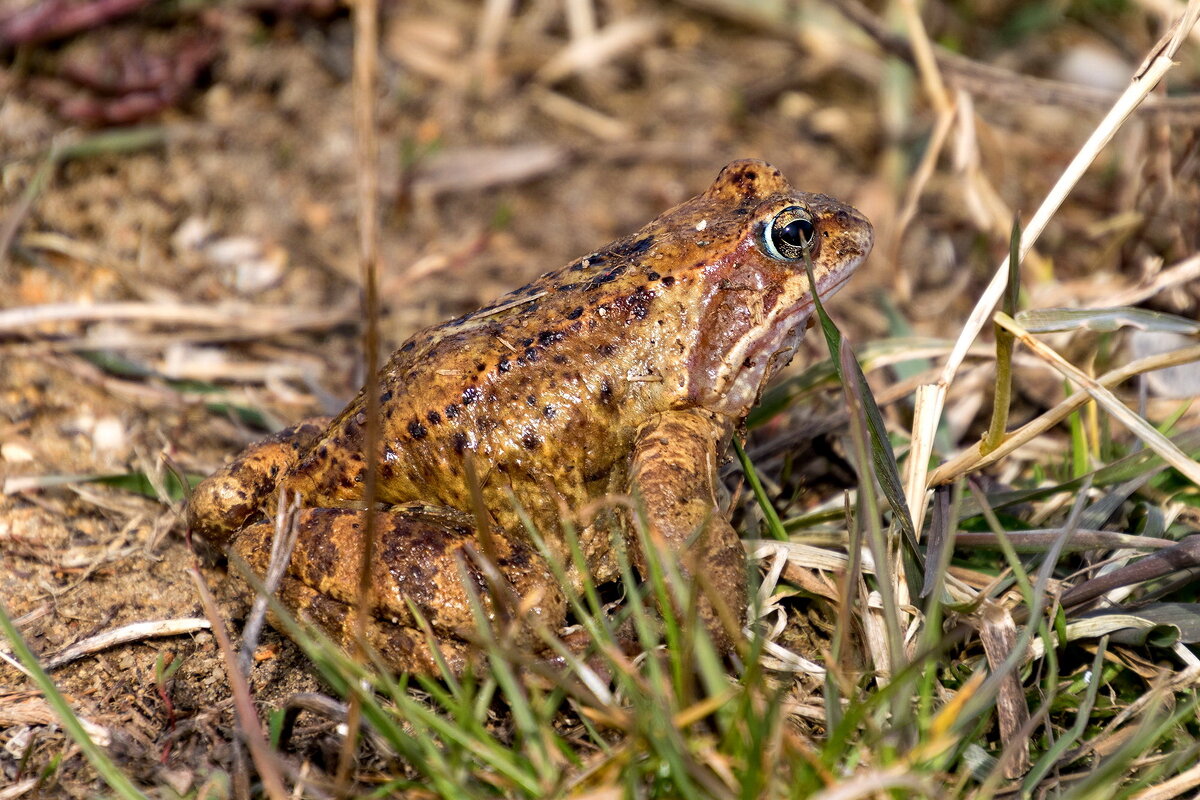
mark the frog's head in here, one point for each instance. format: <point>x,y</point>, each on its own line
<point>750,294</point>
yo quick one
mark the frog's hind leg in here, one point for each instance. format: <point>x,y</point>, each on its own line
<point>403,648</point>
<point>423,561</point>
<point>220,504</point>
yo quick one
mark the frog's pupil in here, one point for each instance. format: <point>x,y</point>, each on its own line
<point>797,233</point>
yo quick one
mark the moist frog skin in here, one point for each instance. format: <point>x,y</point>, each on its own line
<point>624,373</point>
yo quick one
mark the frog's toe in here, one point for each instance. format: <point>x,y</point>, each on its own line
<point>220,505</point>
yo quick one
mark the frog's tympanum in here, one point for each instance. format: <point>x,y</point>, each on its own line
<point>623,374</point>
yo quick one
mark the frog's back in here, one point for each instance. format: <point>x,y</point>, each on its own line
<point>550,380</point>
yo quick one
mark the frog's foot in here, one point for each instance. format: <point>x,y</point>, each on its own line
<point>220,505</point>
<point>424,563</point>
<point>404,648</point>
<point>674,470</point>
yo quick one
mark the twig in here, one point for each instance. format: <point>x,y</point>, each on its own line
<point>287,531</point>
<point>128,633</point>
<point>1184,555</point>
<point>241,316</point>
<point>990,81</point>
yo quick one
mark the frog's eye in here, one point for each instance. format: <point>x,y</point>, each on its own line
<point>789,234</point>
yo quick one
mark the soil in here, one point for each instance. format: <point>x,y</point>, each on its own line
<point>497,164</point>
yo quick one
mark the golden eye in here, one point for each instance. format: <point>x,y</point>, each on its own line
<point>789,234</point>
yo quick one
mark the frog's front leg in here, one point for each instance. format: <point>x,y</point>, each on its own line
<point>429,558</point>
<point>674,471</point>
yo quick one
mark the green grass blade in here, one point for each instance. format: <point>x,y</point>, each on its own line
<point>95,755</point>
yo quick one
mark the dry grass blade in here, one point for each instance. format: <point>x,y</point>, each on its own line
<point>1141,428</point>
<point>265,759</point>
<point>1175,275</point>
<point>1173,787</point>
<point>998,634</point>
<point>878,783</point>
<point>283,542</point>
<point>932,399</point>
<point>365,81</point>
<point>972,459</point>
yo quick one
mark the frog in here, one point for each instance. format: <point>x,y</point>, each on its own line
<point>593,406</point>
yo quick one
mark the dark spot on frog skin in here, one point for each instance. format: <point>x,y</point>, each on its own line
<point>531,354</point>
<point>503,365</point>
<point>549,412</point>
<point>575,313</point>
<point>416,430</point>
<point>531,441</point>
<point>487,424</point>
<point>566,287</point>
<point>639,303</point>
<point>560,359</point>
<point>470,395</point>
<point>605,277</point>
<point>652,276</point>
<point>670,280</point>
<point>606,392</point>
<point>531,400</point>
<point>549,337</point>
<point>409,345</point>
<point>459,441</point>
<point>525,342</point>
<point>434,418</point>
<point>633,248</point>
<point>480,367</point>
<point>607,350</point>
<point>451,411</point>
<point>386,396</point>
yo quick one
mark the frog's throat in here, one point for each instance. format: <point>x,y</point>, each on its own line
<point>731,384</point>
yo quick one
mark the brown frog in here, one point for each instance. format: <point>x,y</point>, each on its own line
<point>624,373</point>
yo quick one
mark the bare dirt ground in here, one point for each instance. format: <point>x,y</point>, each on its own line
<point>503,156</point>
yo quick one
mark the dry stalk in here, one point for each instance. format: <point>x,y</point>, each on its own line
<point>931,398</point>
